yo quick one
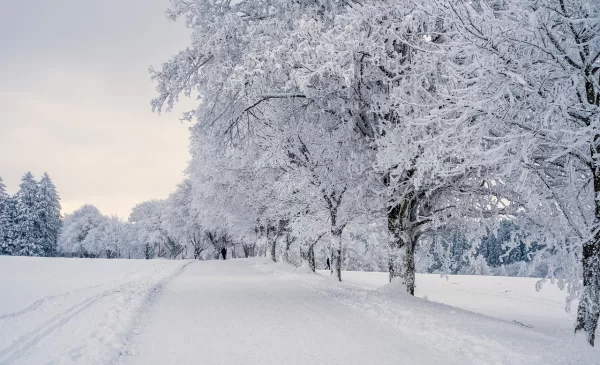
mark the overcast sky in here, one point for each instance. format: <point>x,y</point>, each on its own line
<point>75,100</point>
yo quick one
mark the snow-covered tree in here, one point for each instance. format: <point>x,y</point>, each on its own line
<point>88,233</point>
<point>182,223</point>
<point>3,194</point>
<point>8,218</point>
<point>77,236</point>
<point>542,58</point>
<point>443,115</point>
<point>28,238</point>
<point>48,211</point>
<point>147,220</point>
<point>112,239</point>
<point>7,221</point>
<point>433,153</point>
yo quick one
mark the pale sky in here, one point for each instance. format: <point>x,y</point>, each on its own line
<point>75,100</point>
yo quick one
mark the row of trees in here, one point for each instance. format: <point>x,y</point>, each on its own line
<point>155,229</point>
<point>30,220</point>
<point>321,116</point>
<point>170,229</point>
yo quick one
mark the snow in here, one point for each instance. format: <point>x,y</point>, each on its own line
<point>231,313</point>
<point>157,312</point>
<point>72,311</point>
<point>507,298</point>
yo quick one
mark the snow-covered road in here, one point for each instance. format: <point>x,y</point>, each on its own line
<point>156,312</point>
<point>232,313</point>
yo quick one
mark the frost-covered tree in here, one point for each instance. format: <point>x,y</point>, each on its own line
<point>112,239</point>
<point>338,71</point>
<point>8,218</point>
<point>7,221</point>
<point>232,190</point>
<point>88,233</point>
<point>569,30</point>
<point>147,218</point>
<point>542,58</point>
<point>48,211</point>
<point>461,114</point>
<point>400,67</point>
<point>326,171</point>
<point>28,240</point>
<point>3,194</point>
<point>77,236</point>
<point>182,223</point>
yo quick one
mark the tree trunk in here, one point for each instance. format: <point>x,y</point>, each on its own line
<point>274,250</point>
<point>401,250</point>
<point>147,251</point>
<point>311,257</point>
<point>402,263</point>
<point>288,244</point>
<point>336,252</point>
<point>272,243</point>
<point>589,306</point>
<point>258,243</point>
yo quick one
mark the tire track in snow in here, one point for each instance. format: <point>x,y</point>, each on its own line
<point>25,342</point>
<point>146,308</point>
<point>28,341</point>
<point>41,302</point>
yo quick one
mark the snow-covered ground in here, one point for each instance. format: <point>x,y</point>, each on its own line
<point>73,311</point>
<point>507,298</point>
<point>128,312</point>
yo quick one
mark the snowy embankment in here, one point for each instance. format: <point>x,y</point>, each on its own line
<point>511,299</point>
<point>463,336</point>
<point>73,311</point>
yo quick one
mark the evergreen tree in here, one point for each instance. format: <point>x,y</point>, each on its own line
<point>8,229</point>
<point>501,248</point>
<point>492,244</point>
<point>48,215</point>
<point>28,242</point>
<point>450,254</point>
<point>3,193</point>
<point>5,222</point>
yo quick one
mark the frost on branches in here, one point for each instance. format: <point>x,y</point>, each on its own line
<point>546,56</point>
<point>438,116</point>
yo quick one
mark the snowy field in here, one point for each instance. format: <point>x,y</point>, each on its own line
<point>130,312</point>
<point>72,311</point>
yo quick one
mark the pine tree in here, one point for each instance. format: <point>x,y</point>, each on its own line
<point>8,219</point>
<point>3,193</point>
<point>5,221</point>
<point>48,215</point>
<point>28,242</point>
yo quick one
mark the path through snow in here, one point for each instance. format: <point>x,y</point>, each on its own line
<point>230,312</point>
<point>137,312</point>
<point>257,312</point>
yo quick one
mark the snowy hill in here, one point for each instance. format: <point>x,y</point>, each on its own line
<point>72,311</point>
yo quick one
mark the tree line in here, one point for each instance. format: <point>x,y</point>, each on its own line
<point>321,119</point>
